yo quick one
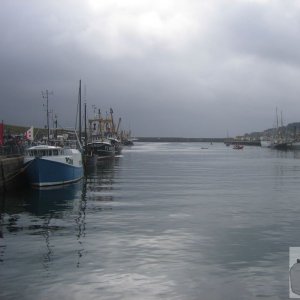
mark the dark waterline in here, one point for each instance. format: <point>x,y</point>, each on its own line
<point>163,221</point>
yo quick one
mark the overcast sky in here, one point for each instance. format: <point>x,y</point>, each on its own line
<point>187,68</point>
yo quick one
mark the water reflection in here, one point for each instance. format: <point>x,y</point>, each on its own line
<point>100,179</point>
<point>286,153</point>
<point>52,201</point>
<point>81,223</point>
<point>45,215</point>
<point>40,201</point>
<point>103,168</point>
<point>48,209</point>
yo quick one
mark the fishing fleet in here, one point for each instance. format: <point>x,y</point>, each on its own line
<point>57,160</point>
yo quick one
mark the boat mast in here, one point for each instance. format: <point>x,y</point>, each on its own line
<point>55,124</point>
<point>79,101</point>
<point>85,134</point>
<point>45,95</point>
<point>117,130</point>
<point>112,121</point>
<point>85,129</point>
<point>276,118</point>
<point>100,124</point>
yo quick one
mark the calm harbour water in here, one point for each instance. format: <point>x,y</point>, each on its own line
<point>163,221</point>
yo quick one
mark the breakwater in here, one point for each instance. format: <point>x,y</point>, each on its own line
<point>179,139</point>
<point>198,140</point>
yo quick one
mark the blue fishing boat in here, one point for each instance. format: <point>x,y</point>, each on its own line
<point>47,165</point>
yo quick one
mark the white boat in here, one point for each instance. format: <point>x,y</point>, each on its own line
<point>265,142</point>
<point>52,165</point>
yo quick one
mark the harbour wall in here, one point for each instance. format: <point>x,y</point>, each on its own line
<point>11,175</point>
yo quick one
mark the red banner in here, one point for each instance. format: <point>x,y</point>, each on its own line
<point>1,134</point>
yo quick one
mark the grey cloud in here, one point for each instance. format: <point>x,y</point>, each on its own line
<point>191,68</point>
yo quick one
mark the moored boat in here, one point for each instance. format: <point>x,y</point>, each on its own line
<point>103,140</point>
<point>280,139</point>
<point>100,149</point>
<point>47,165</point>
<point>281,145</point>
<point>238,147</point>
<point>265,142</point>
<point>127,142</point>
<point>116,144</point>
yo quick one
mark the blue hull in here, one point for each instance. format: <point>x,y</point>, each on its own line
<point>41,172</point>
